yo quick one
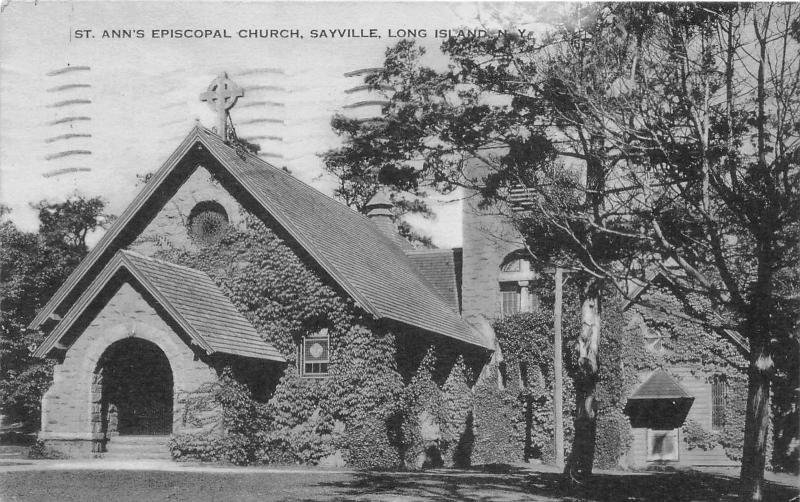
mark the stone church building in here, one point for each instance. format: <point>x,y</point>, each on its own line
<point>177,322</point>
<point>133,336</point>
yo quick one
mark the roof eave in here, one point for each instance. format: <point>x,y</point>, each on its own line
<point>121,223</point>
<point>295,233</point>
<point>116,264</point>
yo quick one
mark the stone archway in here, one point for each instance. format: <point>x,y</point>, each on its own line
<point>134,387</point>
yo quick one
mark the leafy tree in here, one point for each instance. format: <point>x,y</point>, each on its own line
<point>32,267</point>
<point>474,127</point>
<point>68,223</point>
<point>703,110</point>
<point>361,177</point>
<point>642,137</point>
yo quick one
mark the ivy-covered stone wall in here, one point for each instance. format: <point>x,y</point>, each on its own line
<point>513,407</point>
<point>524,393</point>
<point>394,397</point>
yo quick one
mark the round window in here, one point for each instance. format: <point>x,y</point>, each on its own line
<point>207,222</point>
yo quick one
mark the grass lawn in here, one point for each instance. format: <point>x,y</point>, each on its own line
<point>511,485</point>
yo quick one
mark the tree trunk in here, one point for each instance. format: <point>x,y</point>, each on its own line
<point>761,367</point>
<point>581,458</point>
<point>755,432</point>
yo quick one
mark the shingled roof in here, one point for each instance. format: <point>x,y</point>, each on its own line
<point>659,403</point>
<point>189,296</point>
<point>355,253</point>
<point>660,385</point>
<point>439,267</point>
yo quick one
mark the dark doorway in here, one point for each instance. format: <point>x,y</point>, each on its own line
<point>136,389</point>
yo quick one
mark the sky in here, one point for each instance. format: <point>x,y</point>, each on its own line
<point>80,112</point>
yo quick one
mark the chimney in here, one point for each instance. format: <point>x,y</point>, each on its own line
<point>379,210</point>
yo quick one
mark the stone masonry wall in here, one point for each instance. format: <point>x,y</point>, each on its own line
<point>169,228</point>
<point>487,238</point>
<point>71,407</point>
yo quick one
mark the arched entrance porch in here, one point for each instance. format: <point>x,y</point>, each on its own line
<point>136,390</point>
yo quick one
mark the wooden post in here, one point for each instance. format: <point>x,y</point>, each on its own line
<point>558,384</point>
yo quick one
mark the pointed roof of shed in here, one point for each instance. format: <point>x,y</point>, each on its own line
<point>191,299</point>
<point>366,264</point>
<point>660,385</point>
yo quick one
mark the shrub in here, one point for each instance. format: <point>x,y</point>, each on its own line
<point>613,439</point>
<point>457,405</point>
<point>696,436</point>
<point>367,446</point>
<point>203,447</point>
<point>498,423</point>
<point>39,450</point>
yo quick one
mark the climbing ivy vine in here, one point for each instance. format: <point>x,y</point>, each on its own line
<point>368,413</point>
<point>685,344</point>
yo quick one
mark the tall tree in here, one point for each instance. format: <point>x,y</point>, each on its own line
<point>646,137</point>
<point>478,127</point>
<point>360,177</point>
<point>706,118</point>
<point>32,267</point>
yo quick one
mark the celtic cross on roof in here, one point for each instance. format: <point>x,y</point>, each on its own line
<point>221,95</point>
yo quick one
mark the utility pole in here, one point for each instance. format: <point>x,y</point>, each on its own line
<point>558,384</point>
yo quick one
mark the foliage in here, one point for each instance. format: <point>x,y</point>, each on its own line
<point>423,403</point>
<point>732,439</point>
<point>457,402</point>
<point>366,396</point>
<point>368,446</point>
<point>527,339</point>
<point>526,344</point>
<point>243,420</point>
<point>690,345</point>
<point>306,420</point>
<point>283,296</point>
<point>613,439</point>
<point>39,450</point>
<point>498,422</point>
<point>32,267</point>
<point>68,223</point>
<point>358,184</point>
<point>696,436</point>
<point>690,110</point>
<point>203,447</point>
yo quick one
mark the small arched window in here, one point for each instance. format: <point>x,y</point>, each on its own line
<point>515,279</point>
<point>207,222</point>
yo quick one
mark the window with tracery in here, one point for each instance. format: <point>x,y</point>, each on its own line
<point>207,222</point>
<point>314,355</point>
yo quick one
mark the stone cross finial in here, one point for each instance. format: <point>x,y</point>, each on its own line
<point>221,95</point>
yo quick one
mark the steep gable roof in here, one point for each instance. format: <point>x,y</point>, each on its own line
<point>189,296</point>
<point>438,266</point>
<point>356,254</point>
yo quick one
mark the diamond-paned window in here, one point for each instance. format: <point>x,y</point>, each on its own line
<point>314,355</point>
<point>653,340</point>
